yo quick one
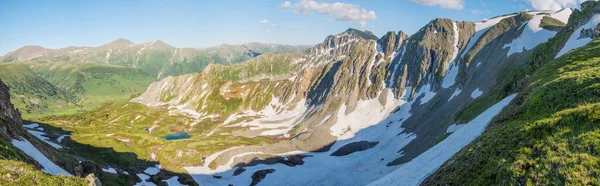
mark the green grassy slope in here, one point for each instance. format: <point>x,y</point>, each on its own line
<point>549,135</point>
<point>32,94</point>
<point>43,89</point>
<point>94,83</point>
<point>123,127</point>
<point>14,170</point>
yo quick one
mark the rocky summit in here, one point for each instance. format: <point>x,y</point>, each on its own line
<point>509,100</point>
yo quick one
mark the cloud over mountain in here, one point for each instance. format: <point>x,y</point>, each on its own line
<point>449,4</point>
<point>338,11</point>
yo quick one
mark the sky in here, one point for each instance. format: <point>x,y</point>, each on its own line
<point>205,23</point>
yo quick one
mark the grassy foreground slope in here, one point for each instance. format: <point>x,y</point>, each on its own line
<point>550,134</point>
<point>14,170</point>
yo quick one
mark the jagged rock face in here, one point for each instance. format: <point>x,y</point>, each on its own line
<point>426,55</point>
<point>10,119</point>
<point>335,47</point>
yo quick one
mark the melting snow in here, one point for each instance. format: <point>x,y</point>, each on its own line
<point>32,126</point>
<point>109,170</point>
<point>285,118</point>
<point>532,36</point>
<point>574,42</point>
<point>364,166</point>
<point>456,92</point>
<point>152,170</point>
<point>60,138</point>
<point>31,151</point>
<point>454,128</point>
<point>415,171</point>
<point>452,68</point>
<point>366,114</point>
<point>172,181</point>
<point>426,91</point>
<point>41,136</point>
<point>144,177</point>
<point>476,93</point>
<point>563,15</point>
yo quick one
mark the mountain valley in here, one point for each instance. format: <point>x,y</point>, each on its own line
<point>510,100</point>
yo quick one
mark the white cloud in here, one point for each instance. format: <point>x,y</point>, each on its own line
<point>264,22</point>
<point>475,11</point>
<point>338,11</point>
<point>268,31</point>
<point>272,25</point>
<point>449,4</point>
<point>296,27</point>
<point>553,4</point>
<point>285,5</point>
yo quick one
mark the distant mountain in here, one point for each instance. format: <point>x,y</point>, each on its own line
<point>156,58</point>
<point>42,89</point>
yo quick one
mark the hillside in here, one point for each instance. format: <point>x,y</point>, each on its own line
<point>42,89</point>
<point>17,165</point>
<point>156,58</point>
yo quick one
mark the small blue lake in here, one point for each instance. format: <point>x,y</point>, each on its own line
<point>177,136</point>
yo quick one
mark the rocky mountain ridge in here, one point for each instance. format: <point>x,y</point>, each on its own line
<point>156,58</point>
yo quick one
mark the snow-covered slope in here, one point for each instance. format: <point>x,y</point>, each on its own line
<point>533,34</point>
<point>415,171</point>
<point>34,153</point>
<point>576,40</point>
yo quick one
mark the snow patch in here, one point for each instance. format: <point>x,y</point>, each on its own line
<point>456,92</point>
<point>31,151</point>
<point>275,118</point>
<point>41,136</point>
<point>476,93</point>
<point>454,127</point>
<point>60,138</point>
<point>574,41</point>
<point>452,68</point>
<point>426,91</point>
<point>563,15</point>
<point>32,126</point>
<point>415,171</point>
<point>532,36</point>
<point>109,170</point>
<point>172,181</point>
<point>144,177</point>
<point>152,170</point>
<point>366,114</point>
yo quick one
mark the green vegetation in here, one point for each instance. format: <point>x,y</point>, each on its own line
<point>549,135</point>
<point>32,94</point>
<point>43,89</point>
<point>14,170</point>
<point>550,23</point>
<point>263,66</point>
<point>19,173</point>
<point>117,135</point>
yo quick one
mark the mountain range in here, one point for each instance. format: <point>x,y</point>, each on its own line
<point>510,100</point>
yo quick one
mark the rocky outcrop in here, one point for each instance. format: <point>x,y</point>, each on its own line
<point>589,33</point>
<point>11,124</point>
<point>93,180</point>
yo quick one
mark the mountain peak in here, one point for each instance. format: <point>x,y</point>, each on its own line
<point>365,34</point>
<point>25,53</point>
<point>157,45</point>
<point>117,44</point>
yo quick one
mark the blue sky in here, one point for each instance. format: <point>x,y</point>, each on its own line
<point>204,23</point>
